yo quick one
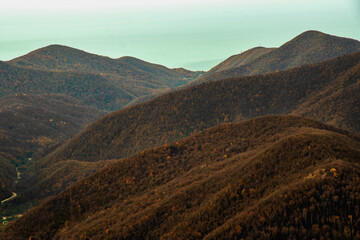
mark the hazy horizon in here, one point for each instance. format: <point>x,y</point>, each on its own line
<point>192,34</point>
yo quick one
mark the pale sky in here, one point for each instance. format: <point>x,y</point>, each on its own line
<point>196,34</point>
<point>103,4</point>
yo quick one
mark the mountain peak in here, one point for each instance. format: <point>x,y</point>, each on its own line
<point>313,33</point>
<point>307,48</point>
<point>54,49</point>
<point>319,38</point>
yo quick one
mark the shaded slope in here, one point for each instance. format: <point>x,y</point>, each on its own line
<point>276,176</point>
<point>31,124</point>
<point>179,114</point>
<point>309,47</point>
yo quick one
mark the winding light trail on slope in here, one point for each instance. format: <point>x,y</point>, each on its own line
<point>14,195</point>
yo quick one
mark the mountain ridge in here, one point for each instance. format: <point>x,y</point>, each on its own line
<point>64,58</point>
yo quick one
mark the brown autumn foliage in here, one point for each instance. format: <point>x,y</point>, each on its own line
<point>331,96</point>
<point>179,114</point>
<point>307,48</point>
<point>274,177</point>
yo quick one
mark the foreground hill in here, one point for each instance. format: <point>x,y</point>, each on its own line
<point>309,47</point>
<point>133,76</point>
<point>275,177</point>
<point>31,124</point>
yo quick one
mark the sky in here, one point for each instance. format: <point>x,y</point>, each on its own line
<point>195,34</point>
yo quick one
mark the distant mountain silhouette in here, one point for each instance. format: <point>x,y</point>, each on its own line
<point>274,177</point>
<point>132,76</point>
<point>309,47</point>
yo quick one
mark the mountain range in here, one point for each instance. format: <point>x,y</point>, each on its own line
<point>269,150</point>
<point>307,48</point>
<point>105,83</point>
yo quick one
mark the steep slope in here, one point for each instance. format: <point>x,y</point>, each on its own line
<point>272,177</point>
<point>133,75</point>
<point>31,124</point>
<point>309,47</point>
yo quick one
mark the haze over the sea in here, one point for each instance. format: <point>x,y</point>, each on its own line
<point>195,34</point>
